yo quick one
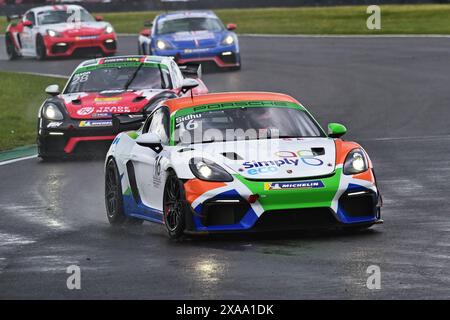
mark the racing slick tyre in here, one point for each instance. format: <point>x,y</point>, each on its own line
<point>238,60</point>
<point>174,206</point>
<point>10,49</point>
<point>113,198</point>
<point>41,51</point>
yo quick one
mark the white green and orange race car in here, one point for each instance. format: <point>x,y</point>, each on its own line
<point>235,162</point>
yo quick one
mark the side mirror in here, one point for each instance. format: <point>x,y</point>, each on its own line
<point>336,130</point>
<point>28,23</point>
<point>231,26</point>
<point>189,84</point>
<point>53,90</point>
<point>148,23</point>
<point>150,140</point>
<point>98,18</point>
<point>146,32</point>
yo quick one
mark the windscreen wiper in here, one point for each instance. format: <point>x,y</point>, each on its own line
<point>163,82</point>
<point>131,79</point>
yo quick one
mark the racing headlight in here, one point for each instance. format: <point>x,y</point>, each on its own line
<point>109,29</point>
<point>228,40</point>
<point>53,33</point>
<point>52,112</point>
<point>163,45</point>
<point>207,170</point>
<point>355,162</point>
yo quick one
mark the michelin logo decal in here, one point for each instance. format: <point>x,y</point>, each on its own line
<point>293,185</point>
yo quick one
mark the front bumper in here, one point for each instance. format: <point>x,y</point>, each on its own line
<point>68,46</point>
<point>343,201</point>
<point>222,57</point>
<point>59,138</point>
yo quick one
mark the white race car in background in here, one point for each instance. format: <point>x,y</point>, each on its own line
<point>58,31</point>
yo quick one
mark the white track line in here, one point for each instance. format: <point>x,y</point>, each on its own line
<point>345,35</point>
<point>41,74</point>
<point>262,35</point>
<point>17,160</point>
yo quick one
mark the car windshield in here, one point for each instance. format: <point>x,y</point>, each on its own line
<point>189,24</point>
<point>63,16</point>
<point>245,123</point>
<point>136,77</point>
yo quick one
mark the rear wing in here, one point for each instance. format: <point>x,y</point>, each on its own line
<point>191,70</point>
<point>13,17</point>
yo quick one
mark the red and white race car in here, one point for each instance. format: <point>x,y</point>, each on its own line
<point>81,117</point>
<point>58,31</point>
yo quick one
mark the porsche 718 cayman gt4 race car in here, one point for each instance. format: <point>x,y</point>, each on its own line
<point>58,31</point>
<point>192,36</point>
<point>238,162</point>
<point>101,89</point>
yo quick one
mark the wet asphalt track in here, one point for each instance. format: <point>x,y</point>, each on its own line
<point>392,93</point>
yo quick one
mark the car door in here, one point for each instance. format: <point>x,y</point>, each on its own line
<point>147,163</point>
<point>26,35</point>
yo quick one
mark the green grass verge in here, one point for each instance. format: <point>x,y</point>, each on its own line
<point>395,19</point>
<point>21,95</point>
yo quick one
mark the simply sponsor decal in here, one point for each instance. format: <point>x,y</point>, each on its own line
<point>293,185</point>
<point>272,166</point>
<point>96,123</point>
<point>267,167</point>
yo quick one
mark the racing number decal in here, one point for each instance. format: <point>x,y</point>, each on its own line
<point>190,125</point>
<point>81,77</point>
<point>157,172</point>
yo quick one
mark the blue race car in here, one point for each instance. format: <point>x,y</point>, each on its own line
<point>191,37</point>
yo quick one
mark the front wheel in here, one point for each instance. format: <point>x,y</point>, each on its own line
<point>11,50</point>
<point>175,207</point>
<point>41,50</point>
<point>114,198</point>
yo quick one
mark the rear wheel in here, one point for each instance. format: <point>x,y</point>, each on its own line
<point>11,50</point>
<point>41,51</point>
<point>175,207</point>
<point>114,198</point>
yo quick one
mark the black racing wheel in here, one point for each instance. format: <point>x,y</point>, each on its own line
<point>10,48</point>
<point>113,197</point>
<point>175,206</point>
<point>41,50</point>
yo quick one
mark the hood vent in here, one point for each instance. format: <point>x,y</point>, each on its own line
<point>232,156</point>
<point>76,101</point>
<point>318,151</point>
<point>139,99</point>
<point>185,150</point>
